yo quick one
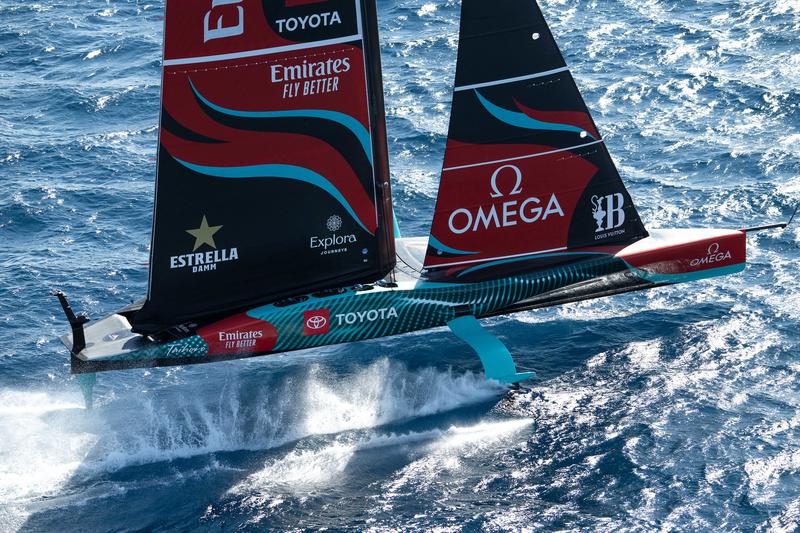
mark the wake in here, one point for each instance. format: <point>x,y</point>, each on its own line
<point>51,442</point>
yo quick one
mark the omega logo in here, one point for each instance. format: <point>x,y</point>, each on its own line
<point>517,185</point>
<point>503,214</point>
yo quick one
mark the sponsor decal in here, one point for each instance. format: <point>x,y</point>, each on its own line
<point>715,255</point>
<point>502,214</point>
<point>316,322</point>
<point>184,350</point>
<point>309,77</point>
<point>328,18</point>
<point>239,334</point>
<point>334,223</point>
<point>335,243</point>
<point>239,339</point>
<point>203,261</point>
<point>609,214</point>
<point>371,315</point>
<point>216,25</point>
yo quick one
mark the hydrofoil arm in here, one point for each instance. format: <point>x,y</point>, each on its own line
<point>497,362</point>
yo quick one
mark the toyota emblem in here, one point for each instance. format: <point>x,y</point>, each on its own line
<point>316,322</point>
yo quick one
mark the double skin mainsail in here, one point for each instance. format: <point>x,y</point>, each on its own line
<point>272,169</point>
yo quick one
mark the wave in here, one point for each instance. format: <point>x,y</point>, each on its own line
<point>50,441</point>
<point>303,471</point>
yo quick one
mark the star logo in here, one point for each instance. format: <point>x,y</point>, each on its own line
<point>204,234</point>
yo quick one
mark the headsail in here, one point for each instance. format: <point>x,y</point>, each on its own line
<point>272,166</point>
<point>526,173</point>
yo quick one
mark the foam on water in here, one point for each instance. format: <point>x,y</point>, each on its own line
<point>50,438</point>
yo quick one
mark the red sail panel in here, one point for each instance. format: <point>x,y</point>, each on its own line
<point>272,172</point>
<point>525,171</point>
<point>510,208</point>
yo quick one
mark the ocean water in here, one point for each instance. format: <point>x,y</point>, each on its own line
<point>674,409</point>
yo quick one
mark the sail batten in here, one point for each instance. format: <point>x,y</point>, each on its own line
<point>526,173</point>
<point>492,83</point>
<point>520,157</point>
<point>260,52</point>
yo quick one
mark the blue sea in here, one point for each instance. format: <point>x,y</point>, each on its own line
<point>673,409</point>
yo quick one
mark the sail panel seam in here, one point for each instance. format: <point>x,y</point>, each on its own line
<point>512,80</point>
<point>529,156</point>
<point>261,51</point>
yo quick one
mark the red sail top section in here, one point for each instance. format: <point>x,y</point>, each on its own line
<point>525,170</point>
<point>213,30</point>
<point>272,169</point>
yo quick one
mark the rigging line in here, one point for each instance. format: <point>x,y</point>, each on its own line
<point>793,215</point>
<point>406,264</point>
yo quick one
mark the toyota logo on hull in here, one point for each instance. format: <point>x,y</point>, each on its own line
<point>316,322</point>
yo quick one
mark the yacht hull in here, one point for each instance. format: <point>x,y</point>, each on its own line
<point>414,303</point>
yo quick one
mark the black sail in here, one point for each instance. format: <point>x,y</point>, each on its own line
<point>526,172</point>
<point>272,175</point>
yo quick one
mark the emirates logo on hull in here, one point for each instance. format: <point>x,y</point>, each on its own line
<point>239,334</point>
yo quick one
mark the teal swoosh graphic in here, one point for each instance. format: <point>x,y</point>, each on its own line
<point>521,258</point>
<point>521,120</point>
<point>347,121</point>
<point>433,241</point>
<point>277,171</point>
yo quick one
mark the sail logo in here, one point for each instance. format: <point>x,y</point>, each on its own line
<point>316,322</point>
<point>334,223</point>
<point>714,256</point>
<point>316,77</point>
<point>359,317</point>
<point>328,18</point>
<point>608,211</point>
<point>503,214</point>
<point>204,261</point>
<point>220,29</point>
<point>335,243</point>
